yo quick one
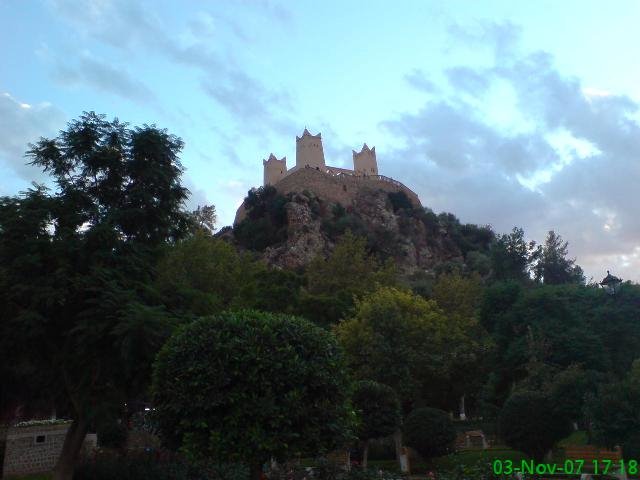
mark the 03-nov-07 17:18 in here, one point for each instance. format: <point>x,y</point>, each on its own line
<point>568,467</point>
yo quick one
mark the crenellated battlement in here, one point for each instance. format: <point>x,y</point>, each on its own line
<point>310,154</point>
<point>334,184</point>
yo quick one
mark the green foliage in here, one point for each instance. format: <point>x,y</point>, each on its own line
<point>78,309</point>
<point>402,340</point>
<point>147,466</point>
<point>466,237</point>
<point>251,386</point>
<point>266,220</point>
<point>512,257</point>
<point>400,201</point>
<point>613,412</point>
<point>569,390</point>
<point>333,283</point>
<point>204,275</point>
<point>429,431</point>
<point>457,294</point>
<point>553,267</point>
<point>530,422</point>
<point>203,219</point>
<point>342,222</point>
<point>378,408</point>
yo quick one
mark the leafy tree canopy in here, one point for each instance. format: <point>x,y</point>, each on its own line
<point>429,431</point>
<point>348,273</point>
<point>249,386</point>
<point>529,422</point>
<point>402,340</point>
<point>77,304</point>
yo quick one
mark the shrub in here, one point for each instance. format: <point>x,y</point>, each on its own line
<point>429,431</point>
<point>251,386</point>
<point>155,465</point>
<point>400,200</point>
<point>266,221</point>
<point>529,422</point>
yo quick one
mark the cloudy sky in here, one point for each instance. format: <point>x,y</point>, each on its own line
<point>504,113</point>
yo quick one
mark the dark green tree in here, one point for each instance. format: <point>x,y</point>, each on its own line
<point>333,283</point>
<point>512,257</point>
<point>204,219</point>
<point>529,422</point>
<point>613,412</point>
<point>250,386</point>
<point>429,431</point>
<point>77,306</point>
<point>379,412</point>
<point>553,266</point>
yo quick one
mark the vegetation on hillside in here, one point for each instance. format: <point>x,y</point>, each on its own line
<point>105,270</point>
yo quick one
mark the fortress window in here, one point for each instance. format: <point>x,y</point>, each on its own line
<point>344,187</point>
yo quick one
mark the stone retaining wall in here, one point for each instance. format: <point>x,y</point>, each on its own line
<point>33,449</point>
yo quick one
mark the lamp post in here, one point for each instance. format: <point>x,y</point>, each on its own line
<point>611,283</point>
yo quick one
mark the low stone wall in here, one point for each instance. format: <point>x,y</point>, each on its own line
<point>33,449</point>
<point>340,188</point>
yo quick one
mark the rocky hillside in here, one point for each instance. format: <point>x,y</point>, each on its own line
<point>290,230</point>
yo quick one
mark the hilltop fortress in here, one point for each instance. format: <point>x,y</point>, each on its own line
<point>333,184</point>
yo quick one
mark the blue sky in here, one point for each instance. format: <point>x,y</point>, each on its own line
<point>504,113</point>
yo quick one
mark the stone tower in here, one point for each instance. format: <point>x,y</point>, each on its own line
<point>364,162</point>
<point>274,169</point>
<point>309,152</point>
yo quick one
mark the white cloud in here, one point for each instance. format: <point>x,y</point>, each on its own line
<point>23,123</point>
<point>573,167</point>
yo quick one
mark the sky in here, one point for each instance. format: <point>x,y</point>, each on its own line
<point>505,113</point>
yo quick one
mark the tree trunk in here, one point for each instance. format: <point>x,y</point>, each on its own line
<point>365,455</point>
<point>397,439</point>
<point>70,450</point>
<point>463,415</point>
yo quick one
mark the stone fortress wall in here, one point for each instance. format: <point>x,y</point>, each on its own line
<point>342,188</point>
<point>333,184</point>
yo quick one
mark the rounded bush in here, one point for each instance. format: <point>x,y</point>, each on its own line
<point>429,431</point>
<point>529,422</point>
<point>248,386</point>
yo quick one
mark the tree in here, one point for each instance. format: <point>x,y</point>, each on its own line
<point>203,275</point>
<point>429,431</point>
<point>379,412</point>
<point>250,386</point>
<point>460,298</point>
<point>204,218</point>
<point>512,257</point>
<point>529,422</point>
<point>614,411</point>
<point>396,338</point>
<point>77,304</point>
<point>266,220</point>
<point>553,267</point>
<point>333,283</point>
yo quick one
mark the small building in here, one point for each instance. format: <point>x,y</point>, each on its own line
<point>34,447</point>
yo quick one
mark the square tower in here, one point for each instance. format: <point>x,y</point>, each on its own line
<point>274,169</point>
<point>309,152</point>
<point>364,162</point>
